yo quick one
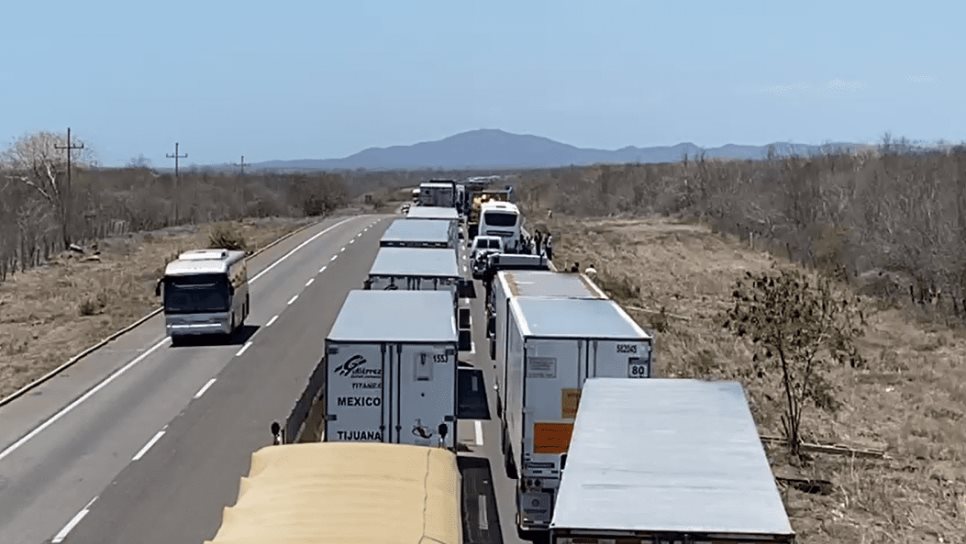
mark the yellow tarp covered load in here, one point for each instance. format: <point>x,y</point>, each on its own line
<point>346,493</point>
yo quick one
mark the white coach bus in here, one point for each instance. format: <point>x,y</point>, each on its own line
<point>205,292</point>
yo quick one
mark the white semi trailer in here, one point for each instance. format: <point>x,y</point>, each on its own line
<point>441,193</point>
<point>391,369</point>
<point>416,269</point>
<point>513,283</point>
<point>667,461</point>
<point>420,233</point>
<point>553,346</point>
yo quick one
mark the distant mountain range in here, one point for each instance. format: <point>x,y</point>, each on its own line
<point>492,149</point>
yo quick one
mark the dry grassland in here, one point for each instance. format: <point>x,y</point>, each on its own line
<point>909,399</point>
<point>50,313</point>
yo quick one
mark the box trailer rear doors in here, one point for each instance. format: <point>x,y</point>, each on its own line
<point>402,393</point>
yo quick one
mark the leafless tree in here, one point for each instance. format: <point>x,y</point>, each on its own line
<point>35,161</point>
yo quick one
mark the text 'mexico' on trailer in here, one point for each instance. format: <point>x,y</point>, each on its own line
<point>391,369</point>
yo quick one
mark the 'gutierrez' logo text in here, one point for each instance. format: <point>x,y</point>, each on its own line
<point>355,368</point>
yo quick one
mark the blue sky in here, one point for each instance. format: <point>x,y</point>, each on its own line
<point>325,78</point>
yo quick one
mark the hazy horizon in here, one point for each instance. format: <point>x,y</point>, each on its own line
<point>310,80</point>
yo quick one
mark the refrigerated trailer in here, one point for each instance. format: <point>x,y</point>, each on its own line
<point>433,212</point>
<point>420,233</point>
<point>438,192</point>
<point>553,346</point>
<point>667,460</point>
<point>391,369</point>
<point>416,269</point>
<point>513,283</point>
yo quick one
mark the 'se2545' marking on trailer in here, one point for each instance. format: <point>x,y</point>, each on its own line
<point>626,348</point>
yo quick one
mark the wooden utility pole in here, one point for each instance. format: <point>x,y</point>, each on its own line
<point>177,178</point>
<point>66,196</point>
<point>241,165</point>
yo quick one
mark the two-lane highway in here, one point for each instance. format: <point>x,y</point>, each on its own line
<point>168,426</point>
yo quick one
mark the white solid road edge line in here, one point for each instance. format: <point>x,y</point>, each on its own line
<point>147,446</point>
<point>245,348</point>
<point>271,321</point>
<point>53,419</point>
<point>93,391</point>
<point>297,248</point>
<point>204,388</point>
<point>479,432</point>
<point>293,299</point>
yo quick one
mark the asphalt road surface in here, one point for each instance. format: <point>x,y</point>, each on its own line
<point>144,442</point>
<point>489,497</point>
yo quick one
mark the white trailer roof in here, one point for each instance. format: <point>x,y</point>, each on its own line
<point>417,230</point>
<point>545,317</point>
<point>395,316</point>
<point>432,212</point>
<point>415,261</point>
<point>203,261</point>
<point>544,283</point>
<point>667,455</point>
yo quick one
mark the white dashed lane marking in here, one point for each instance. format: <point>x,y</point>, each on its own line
<point>204,388</point>
<point>244,349</point>
<point>153,441</point>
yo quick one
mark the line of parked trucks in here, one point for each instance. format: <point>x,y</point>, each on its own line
<point>573,379</point>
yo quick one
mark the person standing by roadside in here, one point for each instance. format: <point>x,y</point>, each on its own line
<point>548,246</point>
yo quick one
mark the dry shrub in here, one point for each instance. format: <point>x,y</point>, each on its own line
<point>227,236</point>
<point>92,305</point>
<point>897,210</point>
<point>908,396</point>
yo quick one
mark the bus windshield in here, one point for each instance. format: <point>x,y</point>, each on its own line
<point>202,293</point>
<point>500,219</point>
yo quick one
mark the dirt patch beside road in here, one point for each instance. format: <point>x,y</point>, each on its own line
<point>50,313</point>
<point>909,399</point>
